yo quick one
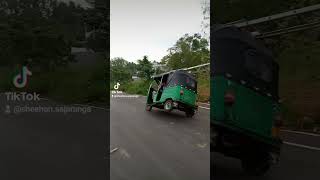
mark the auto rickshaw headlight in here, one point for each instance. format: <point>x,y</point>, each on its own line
<point>181,92</point>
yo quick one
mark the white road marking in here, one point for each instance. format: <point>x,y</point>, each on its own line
<point>204,103</point>
<point>204,107</point>
<point>124,153</point>
<point>302,146</point>
<point>304,133</point>
<point>203,145</point>
<point>114,150</point>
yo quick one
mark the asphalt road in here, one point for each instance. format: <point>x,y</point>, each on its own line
<point>151,145</point>
<point>157,145</point>
<point>299,161</point>
<point>52,145</point>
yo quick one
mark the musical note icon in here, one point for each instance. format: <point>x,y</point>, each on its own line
<point>21,79</point>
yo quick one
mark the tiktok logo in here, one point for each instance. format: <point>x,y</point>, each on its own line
<point>116,87</point>
<point>21,79</point>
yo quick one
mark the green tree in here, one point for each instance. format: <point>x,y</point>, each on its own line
<point>188,51</point>
<point>144,67</point>
<point>205,24</point>
<point>38,31</point>
<point>69,18</point>
<point>132,68</point>
<point>119,70</point>
<point>97,21</point>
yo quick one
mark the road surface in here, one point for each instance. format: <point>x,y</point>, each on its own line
<point>157,145</point>
<point>300,160</point>
<point>52,145</point>
<point>151,145</point>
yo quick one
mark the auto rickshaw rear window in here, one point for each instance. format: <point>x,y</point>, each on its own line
<point>258,65</point>
<point>184,80</point>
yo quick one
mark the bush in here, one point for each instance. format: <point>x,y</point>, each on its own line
<point>140,87</point>
<point>203,87</point>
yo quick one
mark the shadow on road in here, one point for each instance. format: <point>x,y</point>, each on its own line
<point>174,116</point>
<point>224,168</point>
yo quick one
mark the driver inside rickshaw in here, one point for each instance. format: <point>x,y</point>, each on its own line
<point>161,86</point>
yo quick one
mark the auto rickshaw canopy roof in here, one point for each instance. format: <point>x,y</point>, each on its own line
<point>173,73</point>
<point>239,56</point>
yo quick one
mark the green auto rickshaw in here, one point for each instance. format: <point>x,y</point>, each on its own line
<point>244,114</point>
<point>173,90</point>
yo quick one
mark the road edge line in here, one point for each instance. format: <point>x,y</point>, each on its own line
<point>300,132</point>
<point>204,107</point>
<point>302,146</point>
<point>204,103</point>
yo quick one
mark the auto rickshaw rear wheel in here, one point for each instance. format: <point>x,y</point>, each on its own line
<point>257,165</point>
<point>168,105</point>
<point>148,107</point>
<point>190,113</point>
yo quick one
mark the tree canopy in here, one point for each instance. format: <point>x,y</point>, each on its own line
<point>122,70</point>
<point>40,32</point>
<point>145,68</point>
<point>119,71</point>
<point>189,50</point>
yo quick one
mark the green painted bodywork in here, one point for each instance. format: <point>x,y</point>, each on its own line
<point>251,113</point>
<point>189,97</point>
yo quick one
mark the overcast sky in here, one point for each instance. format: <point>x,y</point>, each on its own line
<point>150,27</point>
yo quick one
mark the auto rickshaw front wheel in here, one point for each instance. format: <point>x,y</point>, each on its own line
<point>168,105</point>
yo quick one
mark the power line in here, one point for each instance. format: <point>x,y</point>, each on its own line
<point>288,30</point>
<point>244,23</point>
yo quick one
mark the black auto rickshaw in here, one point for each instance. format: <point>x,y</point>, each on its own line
<point>173,90</point>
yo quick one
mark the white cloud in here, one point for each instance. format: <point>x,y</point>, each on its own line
<point>150,27</point>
